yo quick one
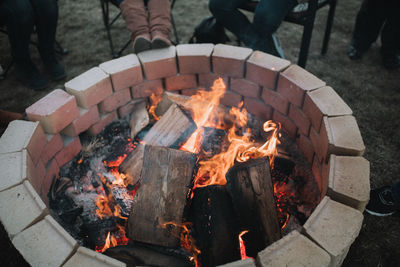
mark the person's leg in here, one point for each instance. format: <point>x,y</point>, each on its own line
<point>159,22</point>
<point>390,36</point>
<point>19,20</point>
<point>369,21</point>
<point>134,13</point>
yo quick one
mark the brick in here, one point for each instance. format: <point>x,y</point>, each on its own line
<point>207,80</point>
<point>324,102</point>
<point>14,168</point>
<point>90,88</point>
<point>87,117</point>
<point>190,92</point>
<point>20,207</point>
<point>105,119</point>
<point>72,146</point>
<point>231,99</point>
<point>128,108</point>
<point>115,101</point>
<point>181,81</point>
<point>294,82</point>
<point>263,69</point>
<point>287,124</point>
<point>344,136</point>
<point>300,119</point>
<point>54,111</point>
<point>334,227</point>
<point>258,108</point>
<point>36,175</point>
<point>275,100</point>
<point>306,147</point>
<point>320,143</point>
<point>147,88</point>
<point>21,135</point>
<point>240,263</point>
<point>45,244</point>
<point>89,258</point>
<point>54,144</point>
<point>194,58</point>
<point>293,250</point>
<point>124,71</point>
<point>159,63</point>
<point>349,181</point>
<point>320,178</point>
<point>230,60</point>
<point>52,171</point>
<point>245,87</point>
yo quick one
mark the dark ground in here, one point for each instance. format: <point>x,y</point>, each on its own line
<point>371,91</point>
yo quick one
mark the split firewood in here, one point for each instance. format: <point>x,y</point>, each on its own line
<point>166,178</point>
<point>172,130</point>
<point>168,99</point>
<point>252,193</point>
<point>139,118</point>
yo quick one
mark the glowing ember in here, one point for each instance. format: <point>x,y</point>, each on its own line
<point>242,246</point>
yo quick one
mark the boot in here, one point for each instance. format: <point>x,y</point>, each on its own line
<point>55,69</point>
<point>160,23</point>
<point>134,13</point>
<point>29,74</point>
<point>7,116</point>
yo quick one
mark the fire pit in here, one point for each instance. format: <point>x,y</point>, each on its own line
<point>31,153</point>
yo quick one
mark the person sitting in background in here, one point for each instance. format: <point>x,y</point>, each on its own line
<point>259,34</point>
<point>384,201</point>
<point>374,17</point>
<point>20,17</point>
<point>150,27</point>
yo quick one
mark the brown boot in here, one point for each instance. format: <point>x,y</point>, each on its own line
<point>135,15</point>
<point>7,116</point>
<point>160,22</point>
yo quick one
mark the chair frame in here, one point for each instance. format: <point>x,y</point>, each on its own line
<point>306,19</point>
<point>108,23</point>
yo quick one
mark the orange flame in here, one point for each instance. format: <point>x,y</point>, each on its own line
<point>242,246</point>
<point>154,101</point>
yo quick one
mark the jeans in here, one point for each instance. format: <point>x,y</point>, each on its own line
<point>257,35</point>
<point>20,16</point>
<point>396,194</point>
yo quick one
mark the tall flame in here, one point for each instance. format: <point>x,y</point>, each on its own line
<point>242,246</point>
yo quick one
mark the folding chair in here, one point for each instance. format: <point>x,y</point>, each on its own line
<point>108,23</point>
<point>304,15</point>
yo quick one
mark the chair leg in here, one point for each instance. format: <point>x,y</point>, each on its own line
<point>105,13</point>
<point>329,23</point>
<point>307,34</point>
<point>173,24</point>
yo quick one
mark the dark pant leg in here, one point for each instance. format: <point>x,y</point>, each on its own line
<point>19,20</point>
<point>396,194</point>
<point>390,35</point>
<point>369,21</point>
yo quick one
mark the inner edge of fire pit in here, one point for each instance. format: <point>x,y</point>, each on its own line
<point>271,88</point>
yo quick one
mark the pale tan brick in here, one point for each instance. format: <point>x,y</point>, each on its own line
<point>90,88</point>
<point>306,147</point>
<point>263,69</point>
<point>54,144</point>
<point>300,119</point>
<point>159,63</point>
<point>115,101</point>
<point>105,119</point>
<point>45,244</point>
<point>349,181</point>
<point>147,88</point>
<point>275,100</point>
<point>89,258</point>
<point>54,111</point>
<point>128,108</point>
<point>52,171</point>
<point>293,250</point>
<point>240,263</point>
<point>344,136</point>
<point>14,168</point>
<point>334,227</point>
<point>245,87</point>
<point>20,206</point>
<point>72,146</point>
<point>294,82</point>
<point>181,81</point>
<point>207,80</point>
<point>124,71</point>
<point>194,58</point>
<point>258,108</point>
<point>231,99</point>
<point>287,124</point>
<point>87,117</point>
<point>229,60</point>
<point>21,135</point>
<point>324,102</point>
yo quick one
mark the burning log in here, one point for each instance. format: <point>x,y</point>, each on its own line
<point>170,131</point>
<point>168,99</point>
<point>166,177</point>
<point>252,193</point>
<point>139,118</point>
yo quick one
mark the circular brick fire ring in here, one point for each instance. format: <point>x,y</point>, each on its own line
<point>31,152</point>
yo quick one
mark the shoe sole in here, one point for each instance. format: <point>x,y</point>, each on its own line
<point>159,43</point>
<point>141,45</point>
<point>379,214</point>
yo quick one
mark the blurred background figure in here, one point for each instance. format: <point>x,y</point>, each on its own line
<point>149,23</point>
<point>20,18</point>
<point>374,17</point>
